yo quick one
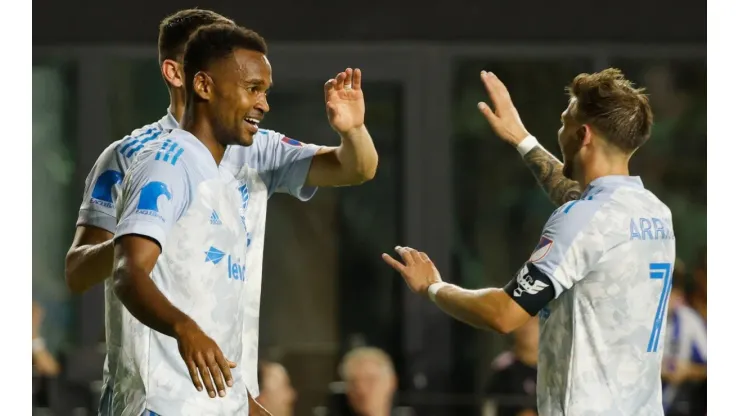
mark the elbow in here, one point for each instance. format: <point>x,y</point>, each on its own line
<point>366,172</point>
<point>74,284</point>
<point>502,325</point>
<point>120,280</point>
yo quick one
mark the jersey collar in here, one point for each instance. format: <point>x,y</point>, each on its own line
<point>616,180</point>
<point>169,121</point>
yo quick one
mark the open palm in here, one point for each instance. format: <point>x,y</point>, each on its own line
<point>345,103</point>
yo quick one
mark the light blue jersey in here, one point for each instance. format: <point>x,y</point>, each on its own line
<point>174,194</point>
<point>610,257</point>
<point>273,164</point>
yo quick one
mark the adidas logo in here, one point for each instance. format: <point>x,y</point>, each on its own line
<point>215,220</point>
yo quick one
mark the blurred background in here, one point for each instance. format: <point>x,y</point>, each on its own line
<point>339,330</point>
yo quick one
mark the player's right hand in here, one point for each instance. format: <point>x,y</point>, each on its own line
<point>204,359</point>
<point>504,119</point>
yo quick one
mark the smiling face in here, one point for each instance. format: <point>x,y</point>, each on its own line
<point>238,101</point>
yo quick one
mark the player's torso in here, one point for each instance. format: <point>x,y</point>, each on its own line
<point>244,164</point>
<point>202,271</point>
<point>601,341</point>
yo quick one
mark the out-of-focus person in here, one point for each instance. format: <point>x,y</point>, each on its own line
<point>277,394</point>
<point>513,383</point>
<point>370,380</point>
<point>685,353</point>
<point>44,363</point>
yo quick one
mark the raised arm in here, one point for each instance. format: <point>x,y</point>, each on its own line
<point>505,122</point>
<point>355,160</point>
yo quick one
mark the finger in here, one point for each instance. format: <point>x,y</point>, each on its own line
<point>405,253</point>
<point>357,79</point>
<point>216,375</point>
<point>488,113</point>
<point>394,263</point>
<point>424,256</point>
<point>415,255</point>
<point>205,375</point>
<point>193,370</point>
<point>226,367</point>
<point>328,85</point>
<point>340,81</point>
<point>496,89</point>
<point>347,78</point>
<point>231,364</point>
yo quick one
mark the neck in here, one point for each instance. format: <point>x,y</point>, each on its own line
<point>603,165</point>
<point>197,124</point>
<point>526,354</point>
<point>177,103</point>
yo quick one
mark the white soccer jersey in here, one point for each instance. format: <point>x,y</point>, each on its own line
<point>273,163</point>
<point>175,194</point>
<point>610,257</point>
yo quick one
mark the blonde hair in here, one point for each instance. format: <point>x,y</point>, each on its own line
<point>367,353</point>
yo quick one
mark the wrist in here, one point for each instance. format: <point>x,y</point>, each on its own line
<point>352,132</point>
<point>183,326</point>
<point>526,145</point>
<point>434,288</point>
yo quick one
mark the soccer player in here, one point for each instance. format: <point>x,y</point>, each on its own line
<point>171,195</point>
<point>600,274</point>
<point>273,163</point>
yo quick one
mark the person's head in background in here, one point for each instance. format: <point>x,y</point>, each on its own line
<point>678,285</point>
<point>174,32</point>
<point>276,392</point>
<point>370,381</point>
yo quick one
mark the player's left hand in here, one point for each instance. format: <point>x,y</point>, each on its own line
<point>345,104</point>
<point>417,269</point>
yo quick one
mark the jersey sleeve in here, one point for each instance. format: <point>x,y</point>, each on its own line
<point>569,246</point>
<point>102,188</point>
<point>156,193</point>
<point>287,162</point>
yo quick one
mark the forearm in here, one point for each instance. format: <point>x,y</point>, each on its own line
<point>88,265</point>
<point>145,302</point>
<point>477,308</point>
<point>357,155</point>
<point>548,171</point>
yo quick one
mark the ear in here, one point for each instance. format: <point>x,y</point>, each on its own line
<point>172,73</point>
<point>203,86</point>
<point>587,135</point>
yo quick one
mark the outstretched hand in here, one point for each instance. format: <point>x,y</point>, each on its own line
<point>504,118</point>
<point>416,268</point>
<point>345,103</point>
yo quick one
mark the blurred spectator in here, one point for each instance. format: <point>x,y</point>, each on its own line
<point>276,391</point>
<point>370,381</point>
<point>44,364</point>
<point>685,353</point>
<point>513,384</point>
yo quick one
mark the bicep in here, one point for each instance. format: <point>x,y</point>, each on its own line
<point>135,252</point>
<point>325,166</point>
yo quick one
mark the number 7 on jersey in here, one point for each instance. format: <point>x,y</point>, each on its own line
<point>659,271</point>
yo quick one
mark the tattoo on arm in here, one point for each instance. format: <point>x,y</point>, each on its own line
<point>548,171</point>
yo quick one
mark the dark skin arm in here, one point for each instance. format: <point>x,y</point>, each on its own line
<point>89,261</point>
<point>134,259</point>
